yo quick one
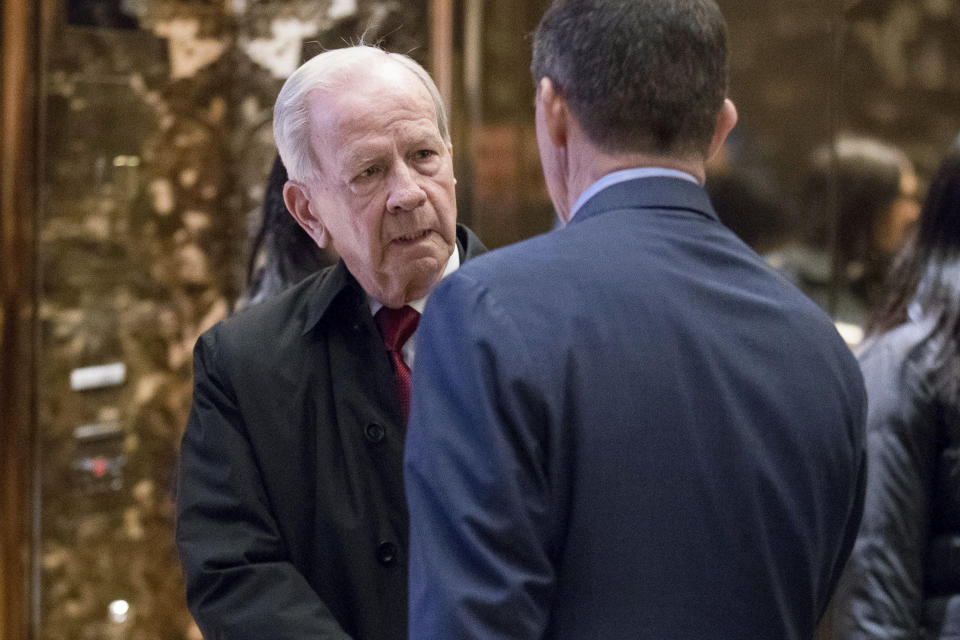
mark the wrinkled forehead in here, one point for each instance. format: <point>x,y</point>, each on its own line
<point>387,89</point>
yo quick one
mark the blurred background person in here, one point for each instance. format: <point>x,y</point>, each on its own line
<point>903,579</point>
<point>751,205</point>
<point>860,200</point>
<point>282,253</point>
<point>747,196</point>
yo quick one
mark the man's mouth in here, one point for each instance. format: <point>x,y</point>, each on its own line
<point>412,237</point>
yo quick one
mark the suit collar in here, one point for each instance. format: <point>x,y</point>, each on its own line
<point>330,284</point>
<point>648,193</point>
<point>337,281</point>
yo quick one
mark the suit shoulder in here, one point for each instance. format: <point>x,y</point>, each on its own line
<point>505,264</point>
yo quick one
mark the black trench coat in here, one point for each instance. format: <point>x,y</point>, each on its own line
<point>291,519</point>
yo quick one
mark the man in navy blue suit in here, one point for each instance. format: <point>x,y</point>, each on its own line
<point>629,427</point>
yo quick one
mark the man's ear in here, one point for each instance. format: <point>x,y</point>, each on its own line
<point>726,120</point>
<point>450,152</point>
<point>297,199</point>
<point>556,113</point>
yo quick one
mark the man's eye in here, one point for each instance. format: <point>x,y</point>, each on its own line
<point>369,172</point>
<point>423,154</point>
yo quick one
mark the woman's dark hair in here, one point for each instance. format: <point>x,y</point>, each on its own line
<point>926,274</point>
<point>851,184</point>
<point>282,253</point>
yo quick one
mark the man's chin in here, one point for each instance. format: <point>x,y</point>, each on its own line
<point>428,242</point>
<point>427,253</point>
<point>418,277</point>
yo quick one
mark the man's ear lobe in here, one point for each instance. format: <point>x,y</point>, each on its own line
<point>297,199</point>
<point>726,120</point>
<point>556,113</point>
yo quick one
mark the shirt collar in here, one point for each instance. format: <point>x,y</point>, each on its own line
<point>453,263</point>
<point>627,174</point>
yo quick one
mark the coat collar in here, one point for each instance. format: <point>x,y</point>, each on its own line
<point>337,281</point>
<point>330,284</point>
<point>648,193</point>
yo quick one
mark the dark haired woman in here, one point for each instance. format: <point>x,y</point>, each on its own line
<point>283,254</point>
<point>861,199</point>
<point>903,579</point>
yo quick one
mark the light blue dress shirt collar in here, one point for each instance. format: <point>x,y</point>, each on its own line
<point>622,176</point>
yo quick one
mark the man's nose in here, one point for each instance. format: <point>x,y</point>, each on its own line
<point>405,192</point>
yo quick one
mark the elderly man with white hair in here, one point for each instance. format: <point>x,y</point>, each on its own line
<point>291,519</point>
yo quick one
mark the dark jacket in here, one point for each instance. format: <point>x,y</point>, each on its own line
<point>630,428</point>
<point>291,520</point>
<point>903,578</point>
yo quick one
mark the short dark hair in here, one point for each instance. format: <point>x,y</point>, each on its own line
<point>646,76</point>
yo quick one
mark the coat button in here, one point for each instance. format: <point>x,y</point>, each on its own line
<point>374,432</point>
<point>387,554</point>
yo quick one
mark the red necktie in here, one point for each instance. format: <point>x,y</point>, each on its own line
<point>396,326</point>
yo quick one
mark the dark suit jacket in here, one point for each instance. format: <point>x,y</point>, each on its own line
<point>291,520</point>
<point>629,428</point>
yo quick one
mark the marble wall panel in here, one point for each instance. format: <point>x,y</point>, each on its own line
<point>900,74</point>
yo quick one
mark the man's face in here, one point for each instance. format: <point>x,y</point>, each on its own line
<point>384,187</point>
<point>894,225</point>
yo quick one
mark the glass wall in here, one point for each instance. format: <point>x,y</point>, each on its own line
<point>823,89</point>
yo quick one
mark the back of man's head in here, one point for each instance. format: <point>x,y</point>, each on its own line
<point>641,76</point>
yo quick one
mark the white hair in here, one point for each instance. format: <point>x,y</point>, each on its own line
<point>291,116</point>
